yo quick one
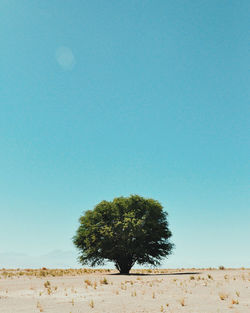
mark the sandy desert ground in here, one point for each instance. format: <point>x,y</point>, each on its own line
<point>72,291</point>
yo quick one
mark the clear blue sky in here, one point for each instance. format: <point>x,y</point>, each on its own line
<point>106,98</point>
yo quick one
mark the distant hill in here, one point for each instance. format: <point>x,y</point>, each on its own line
<point>53,259</point>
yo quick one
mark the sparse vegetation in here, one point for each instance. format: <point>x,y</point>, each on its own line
<point>40,273</point>
<point>148,290</point>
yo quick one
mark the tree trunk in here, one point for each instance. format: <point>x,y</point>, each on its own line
<point>124,270</point>
<point>123,266</point>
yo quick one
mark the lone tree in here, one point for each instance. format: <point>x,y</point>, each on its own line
<point>125,231</point>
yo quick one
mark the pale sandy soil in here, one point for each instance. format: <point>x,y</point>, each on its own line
<point>192,291</point>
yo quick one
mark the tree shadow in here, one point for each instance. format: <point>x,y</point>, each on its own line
<point>155,274</point>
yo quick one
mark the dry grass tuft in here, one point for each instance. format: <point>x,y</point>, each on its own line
<point>88,282</point>
<point>133,294</point>
<point>223,296</point>
<point>91,304</point>
<point>39,307</point>
<point>104,281</point>
<point>47,284</point>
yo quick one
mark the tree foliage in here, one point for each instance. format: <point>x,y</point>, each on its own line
<point>126,231</point>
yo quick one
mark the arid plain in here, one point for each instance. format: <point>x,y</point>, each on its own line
<point>84,290</point>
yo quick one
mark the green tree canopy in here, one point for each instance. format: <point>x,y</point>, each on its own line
<point>126,231</point>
